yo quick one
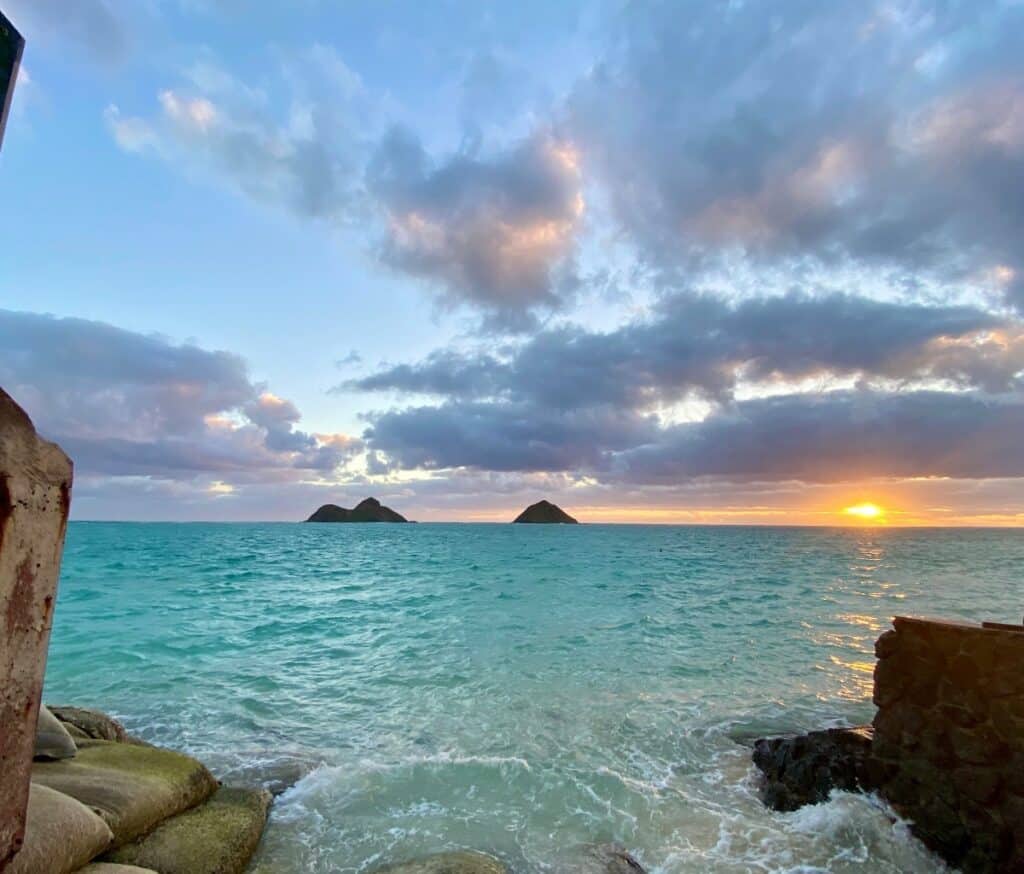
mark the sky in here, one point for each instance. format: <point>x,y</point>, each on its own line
<point>715,262</point>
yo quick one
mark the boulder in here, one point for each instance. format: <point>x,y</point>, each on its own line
<point>90,723</point>
<point>804,769</point>
<point>35,493</point>
<point>52,738</point>
<point>462,862</point>
<point>218,837</point>
<point>369,510</point>
<point>611,858</point>
<point>275,772</point>
<point>133,788</point>
<point>546,513</point>
<point>61,835</point>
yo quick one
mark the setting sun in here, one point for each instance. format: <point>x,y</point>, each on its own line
<point>865,511</point>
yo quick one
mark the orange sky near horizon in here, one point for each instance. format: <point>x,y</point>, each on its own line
<point>888,516</point>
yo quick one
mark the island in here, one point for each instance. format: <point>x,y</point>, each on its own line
<point>370,510</point>
<point>544,512</point>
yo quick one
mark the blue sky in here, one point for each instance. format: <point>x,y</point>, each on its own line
<point>670,261</point>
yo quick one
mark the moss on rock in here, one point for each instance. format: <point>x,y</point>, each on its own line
<point>133,788</point>
<point>219,837</point>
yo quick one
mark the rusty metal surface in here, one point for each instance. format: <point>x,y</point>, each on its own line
<point>35,494</point>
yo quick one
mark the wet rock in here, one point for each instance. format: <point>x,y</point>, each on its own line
<point>805,768</point>
<point>218,837</point>
<point>61,835</point>
<point>35,492</point>
<point>611,858</point>
<point>52,738</point>
<point>133,788</point>
<point>91,723</point>
<point>275,773</point>
<point>463,862</point>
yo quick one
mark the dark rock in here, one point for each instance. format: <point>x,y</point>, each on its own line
<point>804,769</point>
<point>91,723</point>
<point>276,772</point>
<point>370,510</point>
<point>607,859</point>
<point>545,512</point>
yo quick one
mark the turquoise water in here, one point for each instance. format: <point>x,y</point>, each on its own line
<point>519,689</point>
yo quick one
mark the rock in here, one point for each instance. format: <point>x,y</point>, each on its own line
<point>133,788</point>
<point>275,773</point>
<point>607,859</point>
<point>370,510</point>
<point>35,493</point>
<point>52,738</point>
<point>91,723</point>
<point>218,837</point>
<point>111,868</point>
<point>545,512</point>
<point>462,862</point>
<point>804,769</point>
<point>61,835</point>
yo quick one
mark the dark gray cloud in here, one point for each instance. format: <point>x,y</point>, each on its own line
<point>867,133</point>
<point>506,436</point>
<point>840,437</point>
<point>702,345</point>
<point>124,403</point>
<point>497,231</point>
<point>578,402</point>
<point>834,437</point>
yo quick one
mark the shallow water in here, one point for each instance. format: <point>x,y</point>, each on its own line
<point>518,689</point>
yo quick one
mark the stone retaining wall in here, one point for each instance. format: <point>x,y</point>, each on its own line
<point>948,750</point>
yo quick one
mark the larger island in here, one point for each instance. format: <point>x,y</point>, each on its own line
<point>370,510</point>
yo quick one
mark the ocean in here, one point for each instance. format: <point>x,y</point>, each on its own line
<point>523,690</point>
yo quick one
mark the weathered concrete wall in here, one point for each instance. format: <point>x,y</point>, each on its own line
<point>35,492</point>
<point>948,750</point>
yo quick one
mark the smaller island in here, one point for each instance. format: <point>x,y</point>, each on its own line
<point>370,510</point>
<point>545,513</point>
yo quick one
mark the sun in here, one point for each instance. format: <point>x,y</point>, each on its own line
<point>868,512</point>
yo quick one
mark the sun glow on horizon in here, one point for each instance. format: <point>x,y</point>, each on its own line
<point>866,512</point>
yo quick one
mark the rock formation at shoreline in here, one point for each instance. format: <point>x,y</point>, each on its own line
<point>804,769</point>
<point>370,510</point>
<point>544,512</point>
<point>118,802</point>
<point>944,749</point>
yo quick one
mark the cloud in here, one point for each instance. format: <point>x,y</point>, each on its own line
<point>700,345</point>
<point>685,393</point>
<point>129,404</point>
<point>497,231</point>
<point>876,134</point>
<point>841,436</point>
<point>306,156</point>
